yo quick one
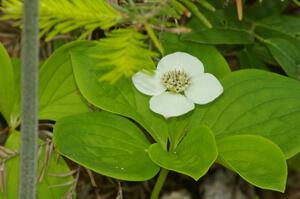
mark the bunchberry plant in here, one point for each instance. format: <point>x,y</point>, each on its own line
<point>145,89</point>
<point>179,82</point>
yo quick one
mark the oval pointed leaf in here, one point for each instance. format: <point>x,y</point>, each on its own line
<point>193,156</point>
<point>286,54</point>
<point>121,97</point>
<point>8,92</point>
<point>106,143</point>
<point>248,59</point>
<point>58,93</point>
<point>220,36</point>
<point>256,102</point>
<point>262,9</point>
<point>256,159</point>
<point>227,29</point>
<point>281,26</point>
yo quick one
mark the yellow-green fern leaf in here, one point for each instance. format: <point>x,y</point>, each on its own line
<point>62,16</point>
<point>123,53</point>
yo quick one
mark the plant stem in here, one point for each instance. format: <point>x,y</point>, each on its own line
<point>261,39</point>
<point>29,86</point>
<point>296,2</point>
<point>159,183</point>
<point>154,38</point>
<point>194,9</point>
<point>207,5</point>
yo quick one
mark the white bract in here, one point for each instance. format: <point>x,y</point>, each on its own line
<point>178,83</point>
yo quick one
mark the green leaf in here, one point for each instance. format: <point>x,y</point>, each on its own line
<point>121,98</point>
<point>248,59</point>
<point>193,156</point>
<point>212,59</point>
<point>259,103</point>
<point>283,27</point>
<point>58,93</point>
<point>279,26</point>
<point>256,159</point>
<point>8,92</point>
<point>261,52</point>
<point>106,143</point>
<point>220,36</point>
<point>286,54</point>
<point>265,9</point>
<point>15,115</point>
<point>227,29</point>
<point>294,163</point>
<point>50,187</point>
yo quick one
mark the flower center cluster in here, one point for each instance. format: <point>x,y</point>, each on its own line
<point>176,80</point>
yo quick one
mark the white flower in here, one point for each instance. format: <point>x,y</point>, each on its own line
<point>178,82</point>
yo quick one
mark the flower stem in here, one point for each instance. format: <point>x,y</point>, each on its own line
<point>159,183</point>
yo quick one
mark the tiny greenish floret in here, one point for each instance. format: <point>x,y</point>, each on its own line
<point>176,80</point>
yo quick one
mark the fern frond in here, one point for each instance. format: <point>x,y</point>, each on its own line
<point>62,16</point>
<point>123,53</point>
